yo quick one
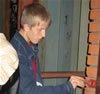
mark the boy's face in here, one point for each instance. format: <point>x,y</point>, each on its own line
<point>37,32</point>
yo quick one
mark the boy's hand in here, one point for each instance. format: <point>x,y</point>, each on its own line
<point>77,81</point>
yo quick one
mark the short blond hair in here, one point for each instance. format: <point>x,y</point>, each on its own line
<point>34,13</point>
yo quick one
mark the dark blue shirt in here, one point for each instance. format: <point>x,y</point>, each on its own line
<point>27,84</point>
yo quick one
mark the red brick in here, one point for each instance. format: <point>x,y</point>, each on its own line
<point>95,4</point>
<point>93,49</point>
<point>92,60</point>
<point>91,72</point>
<point>94,38</point>
<point>95,14</point>
<point>94,27</point>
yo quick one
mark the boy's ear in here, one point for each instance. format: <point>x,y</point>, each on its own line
<point>26,27</point>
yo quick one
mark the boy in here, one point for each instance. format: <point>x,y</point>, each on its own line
<point>35,20</point>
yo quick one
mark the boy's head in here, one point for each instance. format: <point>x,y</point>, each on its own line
<point>33,14</point>
<point>35,20</point>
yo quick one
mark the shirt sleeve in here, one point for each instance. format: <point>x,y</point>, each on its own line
<point>28,86</point>
<point>8,60</point>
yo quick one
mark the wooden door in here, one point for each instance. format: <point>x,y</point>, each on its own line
<point>7,12</point>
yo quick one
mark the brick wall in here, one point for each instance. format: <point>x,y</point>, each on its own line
<point>93,45</point>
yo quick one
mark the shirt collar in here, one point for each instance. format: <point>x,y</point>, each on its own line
<point>28,50</point>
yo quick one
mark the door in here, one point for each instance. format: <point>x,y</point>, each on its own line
<point>59,38</point>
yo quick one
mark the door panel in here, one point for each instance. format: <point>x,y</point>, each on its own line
<point>59,38</point>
